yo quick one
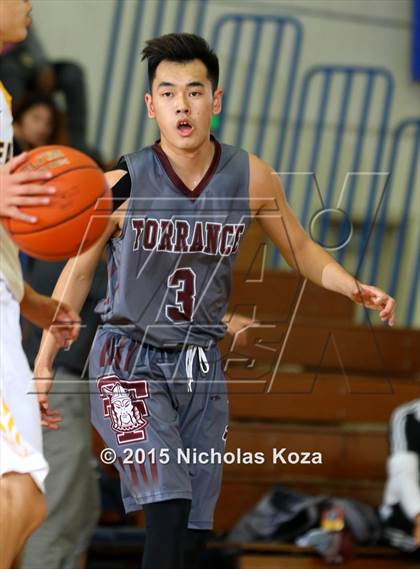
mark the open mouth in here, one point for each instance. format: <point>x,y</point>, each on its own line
<point>184,127</point>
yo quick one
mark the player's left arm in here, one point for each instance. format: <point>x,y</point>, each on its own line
<point>269,206</point>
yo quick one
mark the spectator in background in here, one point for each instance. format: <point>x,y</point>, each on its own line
<point>400,511</point>
<point>72,487</point>
<point>36,122</point>
<point>25,67</point>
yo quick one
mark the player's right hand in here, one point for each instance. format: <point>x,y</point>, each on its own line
<point>43,376</point>
<point>19,189</point>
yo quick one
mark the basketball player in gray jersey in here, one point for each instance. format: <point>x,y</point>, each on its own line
<point>157,383</point>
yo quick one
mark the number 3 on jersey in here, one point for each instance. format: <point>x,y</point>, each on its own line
<point>183,281</point>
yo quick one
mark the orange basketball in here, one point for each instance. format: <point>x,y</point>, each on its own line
<point>76,215</point>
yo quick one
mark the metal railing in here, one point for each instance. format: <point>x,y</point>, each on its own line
<point>269,70</point>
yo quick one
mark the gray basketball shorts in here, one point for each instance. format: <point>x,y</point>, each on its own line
<point>165,415</point>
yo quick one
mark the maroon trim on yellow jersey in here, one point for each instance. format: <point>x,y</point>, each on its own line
<point>176,180</point>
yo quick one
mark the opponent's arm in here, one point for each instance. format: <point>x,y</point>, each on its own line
<point>270,207</point>
<point>49,314</point>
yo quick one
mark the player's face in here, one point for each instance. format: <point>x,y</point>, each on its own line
<point>14,20</point>
<point>182,102</point>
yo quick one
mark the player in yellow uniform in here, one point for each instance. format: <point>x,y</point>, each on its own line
<point>22,464</point>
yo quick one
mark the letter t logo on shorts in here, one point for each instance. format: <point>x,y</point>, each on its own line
<point>124,404</point>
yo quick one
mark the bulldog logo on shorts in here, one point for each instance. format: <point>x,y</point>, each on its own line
<point>124,402</point>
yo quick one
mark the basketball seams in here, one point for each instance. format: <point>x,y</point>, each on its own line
<point>87,243</point>
<point>73,216</point>
<point>71,169</point>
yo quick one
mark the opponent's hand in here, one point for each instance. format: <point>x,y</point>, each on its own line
<point>19,189</point>
<point>43,376</point>
<point>64,323</point>
<point>376,299</point>
<point>47,313</point>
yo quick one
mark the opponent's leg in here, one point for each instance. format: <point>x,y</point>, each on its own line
<point>23,509</point>
<point>166,526</point>
<point>22,466</point>
<point>72,492</point>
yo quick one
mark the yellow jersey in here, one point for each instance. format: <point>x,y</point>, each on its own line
<point>10,268</point>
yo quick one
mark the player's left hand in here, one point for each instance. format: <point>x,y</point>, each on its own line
<point>43,376</point>
<point>237,327</point>
<point>51,418</point>
<point>376,299</point>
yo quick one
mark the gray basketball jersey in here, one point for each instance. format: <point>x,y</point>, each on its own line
<point>170,270</point>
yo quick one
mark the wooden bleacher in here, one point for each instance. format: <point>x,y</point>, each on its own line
<point>290,558</point>
<point>323,384</point>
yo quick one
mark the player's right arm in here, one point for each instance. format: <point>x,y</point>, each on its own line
<point>18,189</point>
<point>72,288</point>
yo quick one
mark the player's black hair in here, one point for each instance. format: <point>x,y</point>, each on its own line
<point>180,48</point>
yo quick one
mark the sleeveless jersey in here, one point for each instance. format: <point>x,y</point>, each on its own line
<point>170,270</point>
<point>10,269</point>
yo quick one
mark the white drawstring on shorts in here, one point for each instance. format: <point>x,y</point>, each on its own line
<point>189,362</point>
